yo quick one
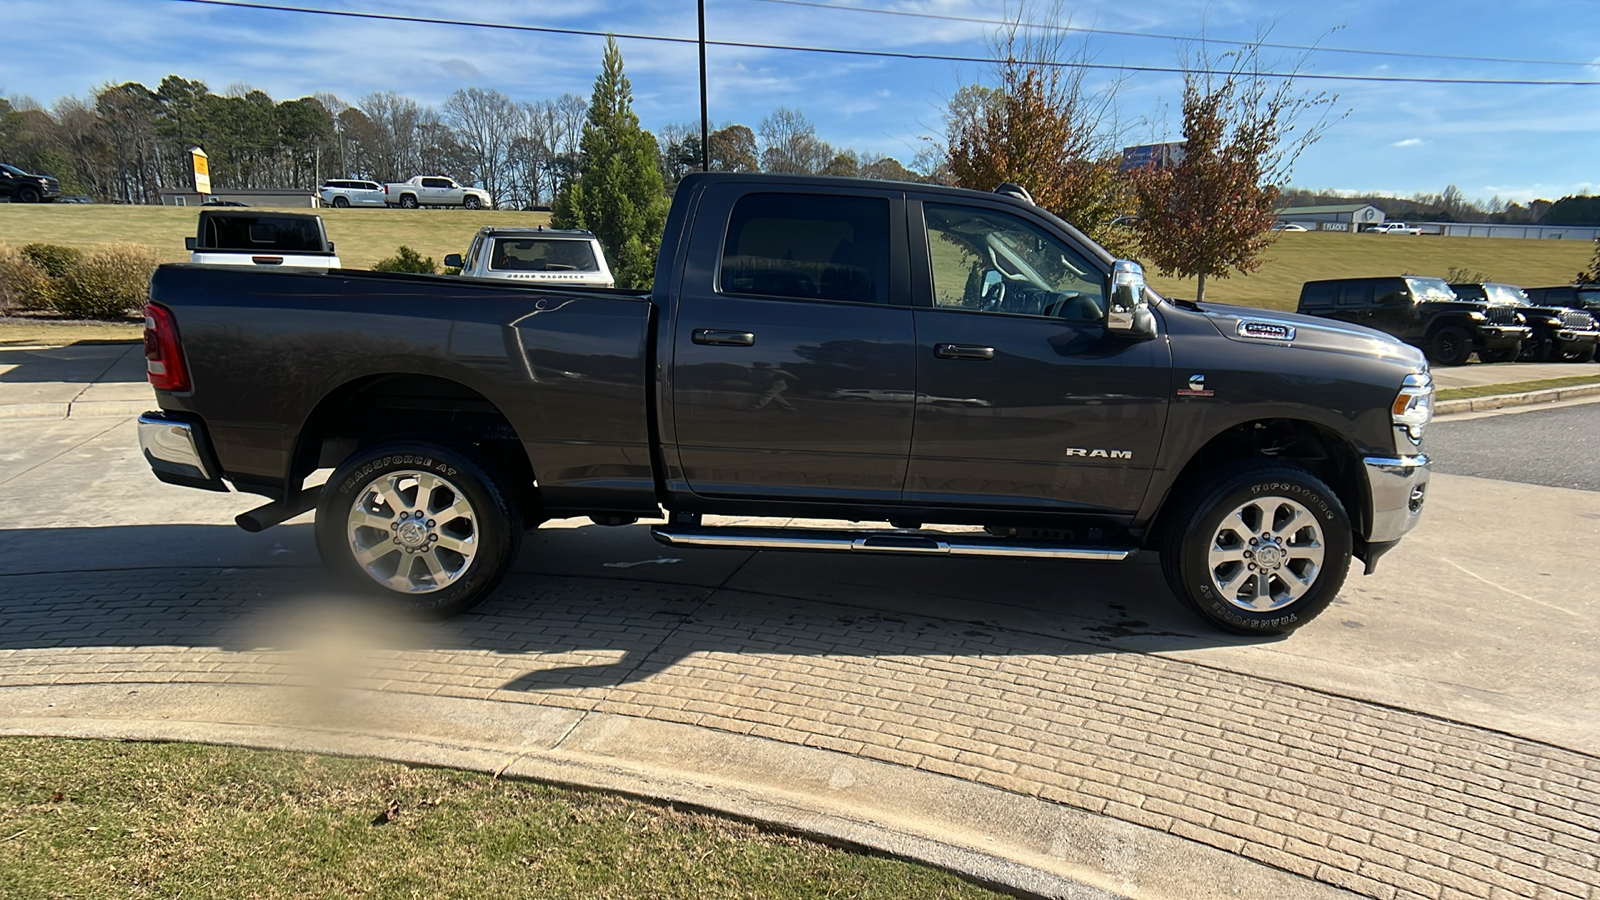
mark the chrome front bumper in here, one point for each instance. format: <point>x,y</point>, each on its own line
<point>178,452</point>
<point>1397,486</point>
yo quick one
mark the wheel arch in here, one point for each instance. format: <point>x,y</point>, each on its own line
<point>377,407</point>
<point>1318,448</point>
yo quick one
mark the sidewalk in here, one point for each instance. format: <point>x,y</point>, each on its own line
<point>75,381</point>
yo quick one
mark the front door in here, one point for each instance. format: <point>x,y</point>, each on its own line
<point>793,374</point>
<point>1023,399</point>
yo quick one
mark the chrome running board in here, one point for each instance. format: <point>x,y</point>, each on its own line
<point>902,542</point>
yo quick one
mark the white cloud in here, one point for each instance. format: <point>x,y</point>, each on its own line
<point>1410,142</point>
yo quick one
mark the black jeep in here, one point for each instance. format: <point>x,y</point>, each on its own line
<point>1560,334</point>
<point>1424,313</point>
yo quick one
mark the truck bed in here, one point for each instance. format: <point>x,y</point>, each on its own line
<point>566,367</point>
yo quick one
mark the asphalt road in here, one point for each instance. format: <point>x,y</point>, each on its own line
<point>1549,447</point>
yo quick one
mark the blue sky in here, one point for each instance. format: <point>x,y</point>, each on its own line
<point>1518,142</point>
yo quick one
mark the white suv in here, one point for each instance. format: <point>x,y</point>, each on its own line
<point>541,255</point>
<point>343,192</point>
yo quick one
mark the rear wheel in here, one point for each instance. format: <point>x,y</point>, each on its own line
<point>341,203</point>
<point>1450,346</point>
<point>408,202</point>
<point>1260,548</point>
<point>1537,350</point>
<point>425,526</point>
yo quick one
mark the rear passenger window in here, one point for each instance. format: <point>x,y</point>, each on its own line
<point>808,246</point>
<point>1356,294</point>
<point>1318,296</point>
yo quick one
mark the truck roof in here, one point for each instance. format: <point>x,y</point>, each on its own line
<point>695,180</point>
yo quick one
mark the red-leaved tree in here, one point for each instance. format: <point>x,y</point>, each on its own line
<point>1212,213</point>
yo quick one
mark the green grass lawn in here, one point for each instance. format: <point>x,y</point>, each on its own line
<point>1300,257</point>
<point>1517,387</point>
<point>361,236</point>
<point>364,236</point>
<point>132,820</point>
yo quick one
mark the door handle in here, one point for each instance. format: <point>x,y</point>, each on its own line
<point>962,351</point>
<point>718,337</point>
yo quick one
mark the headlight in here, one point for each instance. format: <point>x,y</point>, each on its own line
<point>1476,316</point>
<point>1552,322</point>
<point>1413,406</point>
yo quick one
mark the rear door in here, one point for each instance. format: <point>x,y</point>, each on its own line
<point>793,373</point>
<point>1023,399</point>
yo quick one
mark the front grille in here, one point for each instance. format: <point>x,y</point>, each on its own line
<point>1501,315</point>
<point>1577,320</point>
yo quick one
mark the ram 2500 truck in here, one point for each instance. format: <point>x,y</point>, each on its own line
<point>964,367</point>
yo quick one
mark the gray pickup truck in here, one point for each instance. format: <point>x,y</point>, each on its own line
<point>964,368</point>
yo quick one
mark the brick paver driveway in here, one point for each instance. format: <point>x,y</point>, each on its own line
<point>1368,796</point>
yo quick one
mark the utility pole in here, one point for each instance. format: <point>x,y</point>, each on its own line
<point>705,121</point>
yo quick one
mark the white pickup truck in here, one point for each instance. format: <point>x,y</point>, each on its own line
<point>542,255</point>
<point>1393,228</point>
<point>433,190</point>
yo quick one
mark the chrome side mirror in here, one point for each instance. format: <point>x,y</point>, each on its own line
<point>1127,298</point>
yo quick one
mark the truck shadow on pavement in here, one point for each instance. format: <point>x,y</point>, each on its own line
<point>85,362</point>
<point>563,620</point>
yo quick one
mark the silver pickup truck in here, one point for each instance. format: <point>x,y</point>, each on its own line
<point>539,255</point>
<point>434,190</point>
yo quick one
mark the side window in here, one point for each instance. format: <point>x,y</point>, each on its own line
<point>809,247</point>
<point>990,261</point>
<point>435,183</point>
<point>1318,295</point>
<point>1391,292</point>
<point>1356,295</point>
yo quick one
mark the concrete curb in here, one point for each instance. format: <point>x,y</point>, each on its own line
<point>1009,841</point>
<point>1525,398</point>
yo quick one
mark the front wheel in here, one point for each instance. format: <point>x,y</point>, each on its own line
<point>1260,548</point>
<point>1450,346</point>
<point>27,195</point>
<point>473,203</point>
<point>422,525</point>
<point>1537,350</point>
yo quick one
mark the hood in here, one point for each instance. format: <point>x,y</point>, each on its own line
<point>1285,329</point>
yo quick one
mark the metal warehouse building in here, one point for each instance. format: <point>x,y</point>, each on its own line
<point>1340,217</point>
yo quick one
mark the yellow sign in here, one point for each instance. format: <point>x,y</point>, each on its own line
<point>202,171</point>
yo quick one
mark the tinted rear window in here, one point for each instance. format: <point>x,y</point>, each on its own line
<point>1318,294</point>
<point>808,246</point>
<point>286,234</point>
<point>542,255</point>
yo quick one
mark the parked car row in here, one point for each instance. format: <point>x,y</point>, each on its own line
<point>1450,322</point>
<point>423,190</point>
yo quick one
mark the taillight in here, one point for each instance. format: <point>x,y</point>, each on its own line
<point>163,358</point>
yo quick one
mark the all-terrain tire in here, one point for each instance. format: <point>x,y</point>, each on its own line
<point>1584,355</point>
<point>1450,346</point>
<point>1214,547</point>
<point>438,563</point>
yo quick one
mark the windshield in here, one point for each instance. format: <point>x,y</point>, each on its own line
<point>543,255</point>
<point>1505,295</point>
<point>1431,290</point>
<point>12,169</point>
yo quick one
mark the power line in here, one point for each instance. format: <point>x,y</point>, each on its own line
<point>884,54</point>
<point>1078,29</point>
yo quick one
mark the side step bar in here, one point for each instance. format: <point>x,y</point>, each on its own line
<point>902,542</point>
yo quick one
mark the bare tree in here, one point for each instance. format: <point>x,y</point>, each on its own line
<point>790,144</point>
<point>486,122</point>
<point>393,152</point>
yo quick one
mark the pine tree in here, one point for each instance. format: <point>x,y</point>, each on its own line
<point>618,193</point>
